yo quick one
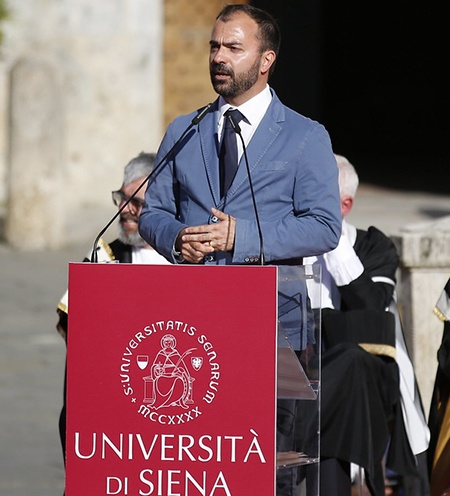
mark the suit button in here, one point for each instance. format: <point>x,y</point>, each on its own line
<point>246,260</point>
<point>209,258</point>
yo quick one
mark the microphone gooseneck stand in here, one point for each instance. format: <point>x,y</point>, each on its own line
<point>237,130</point>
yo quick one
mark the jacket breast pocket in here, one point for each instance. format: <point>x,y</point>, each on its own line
<point>272,166</point>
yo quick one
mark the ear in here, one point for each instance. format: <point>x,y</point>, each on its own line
<point>346,205</point>
<point>267,59</point>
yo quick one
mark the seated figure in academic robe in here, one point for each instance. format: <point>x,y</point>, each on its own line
<point>365,364</point>
<point>129,247</point>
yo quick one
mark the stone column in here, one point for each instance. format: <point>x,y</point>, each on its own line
<point>424,250</point>
<point>34,213</point>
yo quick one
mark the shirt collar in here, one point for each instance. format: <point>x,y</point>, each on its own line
<point>253,109</point>
<point>350,231</point>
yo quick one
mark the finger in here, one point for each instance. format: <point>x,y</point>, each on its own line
<point>219,214</point>
<point>196,229</point>
<point>192,254</point>
<point>202,248</point>
<point>197,238</point>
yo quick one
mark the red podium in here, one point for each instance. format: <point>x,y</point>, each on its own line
<point>172,380</point>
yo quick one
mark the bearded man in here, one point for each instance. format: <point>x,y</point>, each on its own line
<point>129,247</point>
<point>251,182</point>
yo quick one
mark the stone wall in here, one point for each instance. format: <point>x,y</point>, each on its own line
<point>188,26</point>
<point>424,250</point>
<point>104,61</point>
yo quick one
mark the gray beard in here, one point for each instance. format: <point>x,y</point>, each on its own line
<point>133,239</point>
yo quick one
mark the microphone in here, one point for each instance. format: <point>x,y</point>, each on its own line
<point>196,120</point>
<point>237,130</point>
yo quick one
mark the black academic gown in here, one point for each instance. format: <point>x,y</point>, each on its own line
<point>361,414</point>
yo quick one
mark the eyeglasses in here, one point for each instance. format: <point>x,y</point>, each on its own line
<point>119,198</point>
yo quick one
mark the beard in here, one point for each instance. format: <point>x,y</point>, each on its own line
<point>132,238</point>
<point>236,85</point>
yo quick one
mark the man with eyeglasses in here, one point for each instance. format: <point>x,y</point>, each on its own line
<point>129,247</point>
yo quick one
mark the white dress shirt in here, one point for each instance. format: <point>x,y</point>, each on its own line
<point>253,111</point>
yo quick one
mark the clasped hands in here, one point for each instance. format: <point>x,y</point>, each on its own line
<point>194,242</point>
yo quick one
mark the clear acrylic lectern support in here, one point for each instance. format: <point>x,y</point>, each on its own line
<point>298,378</point>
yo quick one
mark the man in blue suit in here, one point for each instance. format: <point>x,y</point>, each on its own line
<point>283,202</point>
<point>291,163</point>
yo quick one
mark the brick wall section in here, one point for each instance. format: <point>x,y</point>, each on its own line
<point>188,25</point>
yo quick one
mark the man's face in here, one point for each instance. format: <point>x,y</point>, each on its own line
<point>129,217</point>
<point>236,65</point>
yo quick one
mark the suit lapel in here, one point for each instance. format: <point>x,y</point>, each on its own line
<point>261,142</point>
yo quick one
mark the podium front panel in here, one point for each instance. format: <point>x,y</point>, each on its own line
<point>171,380</point>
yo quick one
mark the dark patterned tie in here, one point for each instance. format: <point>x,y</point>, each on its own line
<point>228,157</point>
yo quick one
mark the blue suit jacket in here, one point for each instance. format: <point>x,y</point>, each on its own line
<point>294,176</point>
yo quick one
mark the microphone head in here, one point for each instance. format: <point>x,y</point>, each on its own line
<point>234,123</point>
<point>201,114</point>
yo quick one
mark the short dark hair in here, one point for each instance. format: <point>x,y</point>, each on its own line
<point>269,32</point>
